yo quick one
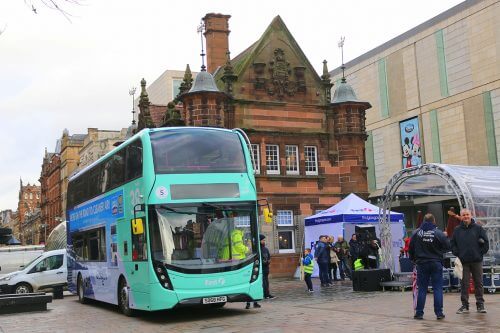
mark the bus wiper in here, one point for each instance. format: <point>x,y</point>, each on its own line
<point>222,208</point>
<point>182,212</point>
<point>176,211</point>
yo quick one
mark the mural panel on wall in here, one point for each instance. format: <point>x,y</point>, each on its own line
<point>410,142</point>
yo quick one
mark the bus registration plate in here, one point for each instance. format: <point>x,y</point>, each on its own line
<point>217,299</point>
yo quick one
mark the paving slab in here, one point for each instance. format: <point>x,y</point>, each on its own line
<point>336,308</point>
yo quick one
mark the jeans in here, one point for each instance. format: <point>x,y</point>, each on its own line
<point>265,282</point>
<point>309,283</point>
<point>476,269</point>
<point>323,272</point>
<point>332,271</point>
<point>432,270</point>
<point>344,268</point>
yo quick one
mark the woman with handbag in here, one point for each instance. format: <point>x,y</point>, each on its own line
<point>334,260</point>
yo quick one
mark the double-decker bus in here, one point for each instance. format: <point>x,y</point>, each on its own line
<point>168,218</point>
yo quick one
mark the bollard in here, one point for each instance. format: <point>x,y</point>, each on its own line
<point>58,292</point>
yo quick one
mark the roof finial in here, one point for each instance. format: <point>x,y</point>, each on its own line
<point>200,31</point>
<point>326,75</point>
<point>341,45</point>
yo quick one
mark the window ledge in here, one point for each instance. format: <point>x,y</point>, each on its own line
<point>290,177</point>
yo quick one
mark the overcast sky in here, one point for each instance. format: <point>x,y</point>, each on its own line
<point>56,74</point>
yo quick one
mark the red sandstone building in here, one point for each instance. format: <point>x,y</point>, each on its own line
<point>50,180</point>
<point>309,147</point>
<point>29,202</point>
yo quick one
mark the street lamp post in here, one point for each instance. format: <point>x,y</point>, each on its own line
<point>44,233</point>
<point>131,92</point>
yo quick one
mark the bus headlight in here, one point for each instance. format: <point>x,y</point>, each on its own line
<point>255,270</point>
<point>162,275</point>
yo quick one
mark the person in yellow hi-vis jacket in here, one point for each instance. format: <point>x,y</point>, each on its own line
<point>236,250</point>
<point>308,266</point>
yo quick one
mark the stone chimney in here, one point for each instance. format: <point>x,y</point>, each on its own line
<point>217,39</point>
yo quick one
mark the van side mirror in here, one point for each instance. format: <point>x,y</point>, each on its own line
<point>42,269</point>
<point>137,226</point>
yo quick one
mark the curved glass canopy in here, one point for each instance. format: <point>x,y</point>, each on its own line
<point>476,188</point>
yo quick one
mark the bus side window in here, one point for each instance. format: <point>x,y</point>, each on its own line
<point>115,169</point>
<point>134,161</point>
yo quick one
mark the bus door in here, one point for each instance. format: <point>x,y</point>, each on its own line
<point>138,267</point>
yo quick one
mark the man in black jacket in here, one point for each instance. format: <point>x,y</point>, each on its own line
<point>469,244</point>
<point>427,248</point>
<point>266,261</point>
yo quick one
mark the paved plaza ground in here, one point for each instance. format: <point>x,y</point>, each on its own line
<point>334,309</point>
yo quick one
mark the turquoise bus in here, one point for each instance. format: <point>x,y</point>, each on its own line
<point>166,219</point>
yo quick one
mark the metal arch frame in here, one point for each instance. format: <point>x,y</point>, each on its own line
<point>459,188</point>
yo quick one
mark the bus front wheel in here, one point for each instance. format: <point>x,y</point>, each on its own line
<point>124,298</point>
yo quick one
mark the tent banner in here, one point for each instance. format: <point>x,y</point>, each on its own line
<point>358,218</point>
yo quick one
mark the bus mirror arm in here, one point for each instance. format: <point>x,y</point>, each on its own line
<point>266,202</point>
<point>268,215</point>
<point>138,208</point>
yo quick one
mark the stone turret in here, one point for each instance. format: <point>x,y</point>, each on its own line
<point>350,135</point>
<point>204,104</point>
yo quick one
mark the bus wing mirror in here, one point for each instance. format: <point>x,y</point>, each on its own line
<point>268,216</point>
<point>137,226</point>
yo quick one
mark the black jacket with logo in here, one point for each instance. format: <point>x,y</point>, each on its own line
<point>428,244</point>
<point>469,243</point>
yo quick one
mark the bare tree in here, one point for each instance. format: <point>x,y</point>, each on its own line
<point>58,5</point>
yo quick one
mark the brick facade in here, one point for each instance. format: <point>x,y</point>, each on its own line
<point>310,151</point>
<point>28,204</point>
<point>51,203</point>
<point>70,147</point>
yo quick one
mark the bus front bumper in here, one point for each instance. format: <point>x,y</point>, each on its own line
<point>199,300</point>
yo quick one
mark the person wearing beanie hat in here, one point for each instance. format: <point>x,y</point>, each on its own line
<point>266,260</point>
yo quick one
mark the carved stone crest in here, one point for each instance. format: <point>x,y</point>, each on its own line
<point>280,72</point>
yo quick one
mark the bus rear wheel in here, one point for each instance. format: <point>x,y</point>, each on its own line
<point>124,298</point>
<point>81,290</point>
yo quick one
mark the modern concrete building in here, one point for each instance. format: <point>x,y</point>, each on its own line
<point>164,89</point>
<point>435,92</point>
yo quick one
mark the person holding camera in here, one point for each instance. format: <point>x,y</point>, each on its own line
<point>469,243</point>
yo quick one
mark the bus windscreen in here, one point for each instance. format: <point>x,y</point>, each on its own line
<point>203,237</point>
<point>195,151</point>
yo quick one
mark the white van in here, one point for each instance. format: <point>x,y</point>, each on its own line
<point>46,271</point>
<point>16,257</point>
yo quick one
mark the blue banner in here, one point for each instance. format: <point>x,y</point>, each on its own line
<point>357,218</point>
<point>410,142</point>
<point>101,210</point>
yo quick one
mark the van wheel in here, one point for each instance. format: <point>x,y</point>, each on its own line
<point>23,288</point>
<point>124,298</point>
<point>81,290</point>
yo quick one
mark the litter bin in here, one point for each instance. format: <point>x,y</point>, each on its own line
<point>58,292</point>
